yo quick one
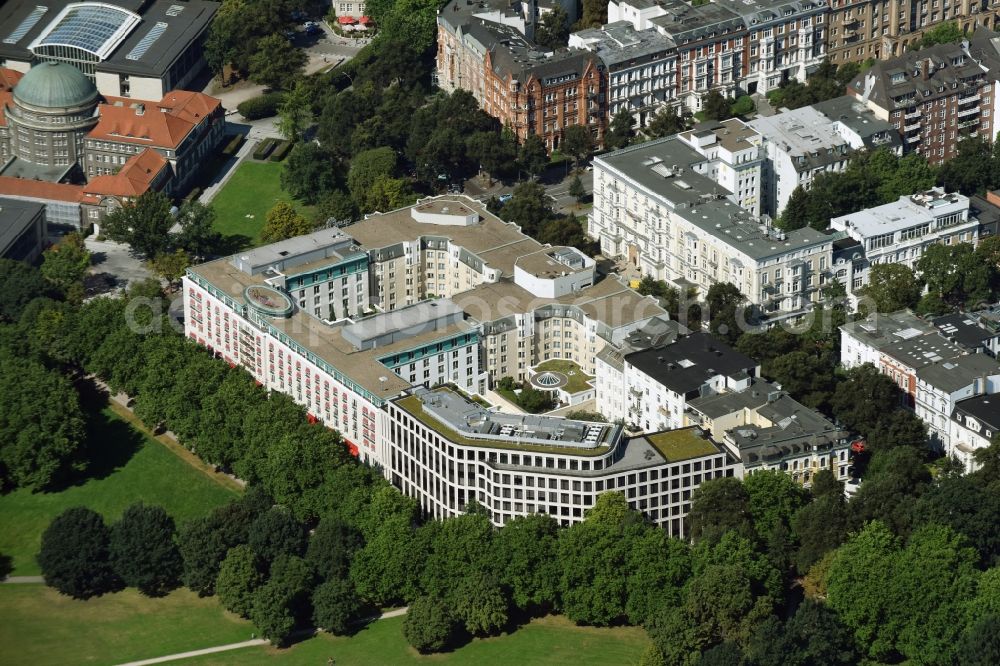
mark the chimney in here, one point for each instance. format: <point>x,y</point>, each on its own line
<point>925,69</point>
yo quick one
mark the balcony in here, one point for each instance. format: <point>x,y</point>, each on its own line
<point>913,115</point>
<point>968,112</point>
<point>968,123</point>
<point>968,100</point>
<point>912,127</point>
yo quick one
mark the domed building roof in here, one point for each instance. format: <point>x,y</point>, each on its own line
<point>54,86</point>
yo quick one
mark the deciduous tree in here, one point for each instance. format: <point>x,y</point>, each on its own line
<point>143,551</point>
<point>143,224</point>
<point>284,222</point>
<point>74,557</point>
<point>240,575</point>
<point>335,606</point>
<point>427,626</point>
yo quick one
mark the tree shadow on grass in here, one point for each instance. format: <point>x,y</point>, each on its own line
<point>6,565</point>
<point>110,443</point>
<point>232,244</point>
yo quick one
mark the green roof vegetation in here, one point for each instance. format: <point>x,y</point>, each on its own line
<point>577,380</point>
<point>682,444</point>
<point>414,406</point>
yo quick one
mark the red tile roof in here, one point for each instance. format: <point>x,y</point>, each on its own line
<point>134,178</point>
<point>40,189</point>
<point>5,97</point>
<point>163,124</point>
<point>9,78</point>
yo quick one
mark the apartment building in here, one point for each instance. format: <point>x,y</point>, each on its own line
<point>942,385</point>
<point>543,93</point>
<point>885,29</point>
<point>799,145</point>
<point>859,126</point>
<point>446,451</point>
<point>657,206</point>
<point>734,158</point>
<point>900,232</point>
<point>973,425</point>
<point>640,67</point>
<point>766,429</point>
<point>898,344</point>
<point>786,40</point>
<point>660,381</point>
<point>933,97</point>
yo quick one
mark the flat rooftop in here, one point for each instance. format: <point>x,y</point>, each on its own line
<point>908,211</point>
<point>609,302</point>
<point>554,262</point>
<point>465,422</point>
<point>957,373</point>
<point>326,246</point>
<point>498,243</point>
<point>685,365</point>
<point>327,342</point>
<point>799,132</point>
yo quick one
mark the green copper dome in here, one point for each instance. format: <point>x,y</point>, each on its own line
<point>55,86</point>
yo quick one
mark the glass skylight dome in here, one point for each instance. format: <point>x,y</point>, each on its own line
<point>84,33</point>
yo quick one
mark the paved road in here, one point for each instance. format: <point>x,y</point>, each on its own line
<point>237,646</point>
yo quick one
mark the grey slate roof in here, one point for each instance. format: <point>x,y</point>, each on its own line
<point>691,361</point>
<point>15,217</point>
<point>954,374</point>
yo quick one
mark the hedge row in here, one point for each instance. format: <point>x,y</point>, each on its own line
<point>264,149</point>
<point>233,145</point>
<point>264,106</point>
<point>281,151</point>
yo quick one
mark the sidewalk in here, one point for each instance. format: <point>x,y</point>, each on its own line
<point>238,646</point>
<point>21,580</point>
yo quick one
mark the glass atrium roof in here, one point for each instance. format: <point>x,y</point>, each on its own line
<point>92,26</point>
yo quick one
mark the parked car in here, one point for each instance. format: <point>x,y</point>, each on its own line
<point>504,198</point>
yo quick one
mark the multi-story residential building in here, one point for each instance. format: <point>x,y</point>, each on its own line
<point>941,385</point>
<point>882,29</point>
<point>972,331</point>
<point>544,93</point>
<point>859,126</point>
<point>799,145</point>
<point>934,97</point>
<point>766,429</point>
<point>127,49</point>
<point>900,232</point>
<point>660,381</point>
<point>656,205</point>
<point>710,39</point>
<point>446,451</point>
<point>786,40</point>
<point>973,425</point>
<point>898,344</point>
<point>734,158</point>
<point>463,42</point>
<point>640,66</point>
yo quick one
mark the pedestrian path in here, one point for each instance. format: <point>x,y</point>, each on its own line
<point>238,646</point>
<point>22,579</point>
<point>198,653</point>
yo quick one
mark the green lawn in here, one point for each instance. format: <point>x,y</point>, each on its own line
<point>252,190</point>
<point>128,467</point>
<point>576,380</point>
<point>550,641</point>
<point>40,626</point>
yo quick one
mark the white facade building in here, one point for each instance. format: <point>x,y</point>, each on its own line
<point>799,145</point>
<point>942,385</point>
<point>899,232</point>
<point>973,425</point>
<point>446,451</point>
<point>657,206</point>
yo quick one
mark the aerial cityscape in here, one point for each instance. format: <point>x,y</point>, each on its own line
<point>535,332</point>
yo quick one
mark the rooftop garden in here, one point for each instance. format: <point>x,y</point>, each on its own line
<point>682,444</point>
<point>577,380</point>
